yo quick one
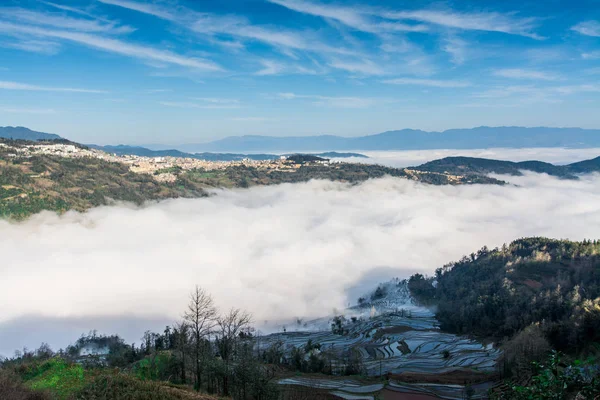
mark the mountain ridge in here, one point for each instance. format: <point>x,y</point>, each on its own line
<point>23,133</point>
<point>411,139</point>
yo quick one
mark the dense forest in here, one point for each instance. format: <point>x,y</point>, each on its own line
<point>532,296</point>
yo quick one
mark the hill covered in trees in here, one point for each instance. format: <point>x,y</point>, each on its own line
<point>22,133</point>
<point>483,166</point>
<point>531,296</point>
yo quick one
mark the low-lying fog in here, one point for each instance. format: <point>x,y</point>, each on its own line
<point>411,158</point>
<point>279,251</point>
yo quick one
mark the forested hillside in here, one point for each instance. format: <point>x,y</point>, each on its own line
<point>497,293</point>
<point>483,166</point>
<point>532,296</point>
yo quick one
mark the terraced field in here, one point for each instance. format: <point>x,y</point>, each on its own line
<point>389,336</point>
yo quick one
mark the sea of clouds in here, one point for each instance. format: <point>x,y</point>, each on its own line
<point>411,158</point>
<point>280,252</point>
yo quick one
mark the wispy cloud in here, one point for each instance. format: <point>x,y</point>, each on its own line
<point>535,94</point>
<point>216,100</point>
<point>253,119</point>
<point>271,67</point>
<point>73,10</point>
<point>588,28</point>
<point>333,101</point>
<point>28,87</point>
<point>112,45</point>
<point>239,27</point>
<point>63,22</point>
<point>364,67</point>
<point>184,104</point>
<point>236,26</point>
<point>146,8</point>
<point>479,21</point>
<point>34,46</point>
<point>13,110</point>
<point>362,18</point>
<point>429,82</point>
<point>592,55</point>
<point>158,90</point>
<point>457,48</point>
<point>517,73</point>
<point>352,17</point>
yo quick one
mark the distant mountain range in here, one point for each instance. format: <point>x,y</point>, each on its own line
<point>483,166</point>
<point>21,133</point>
<point>410,139</point>
<point>407,139</point>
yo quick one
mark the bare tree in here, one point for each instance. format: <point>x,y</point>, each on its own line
<point>231,326</point>
<point>201,316</point>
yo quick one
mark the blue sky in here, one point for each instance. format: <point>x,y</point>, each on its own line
<point>131,71</point>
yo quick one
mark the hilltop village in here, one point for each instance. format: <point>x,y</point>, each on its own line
<point>163,169</point>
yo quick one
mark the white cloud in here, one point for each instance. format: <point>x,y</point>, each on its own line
<point>252,119</point>
<point>58,21</point>
<point>28,87</point>
<point>517,73</point>
<point>181,104</point>
<point>14,110</point>
<point>271,67</point>
<point>158,90</point>
<point>112,46</point>
<point>239,27</point>
<point>588,28</point>
<point>482,21</point>
<point>592,55</point>
<point>335,234</point>
<point>216,100</point>
<point>428,82</point>
<point>34,46</point>
<point>457,48</point>
<point>353,17</point>
<point>530,94</point>
<point>361,18</point>
<point>73,10</point>
<point>364,67</point>
<point>336,102</point>
<point>146,8</point>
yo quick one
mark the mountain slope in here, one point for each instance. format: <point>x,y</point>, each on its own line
<point>483,166</point>
<point>554,284</point>
<point>22,133</point>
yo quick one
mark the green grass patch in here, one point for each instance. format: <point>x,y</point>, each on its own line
<point>56,376</point>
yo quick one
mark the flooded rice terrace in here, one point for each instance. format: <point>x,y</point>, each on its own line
<point>389,336</point>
